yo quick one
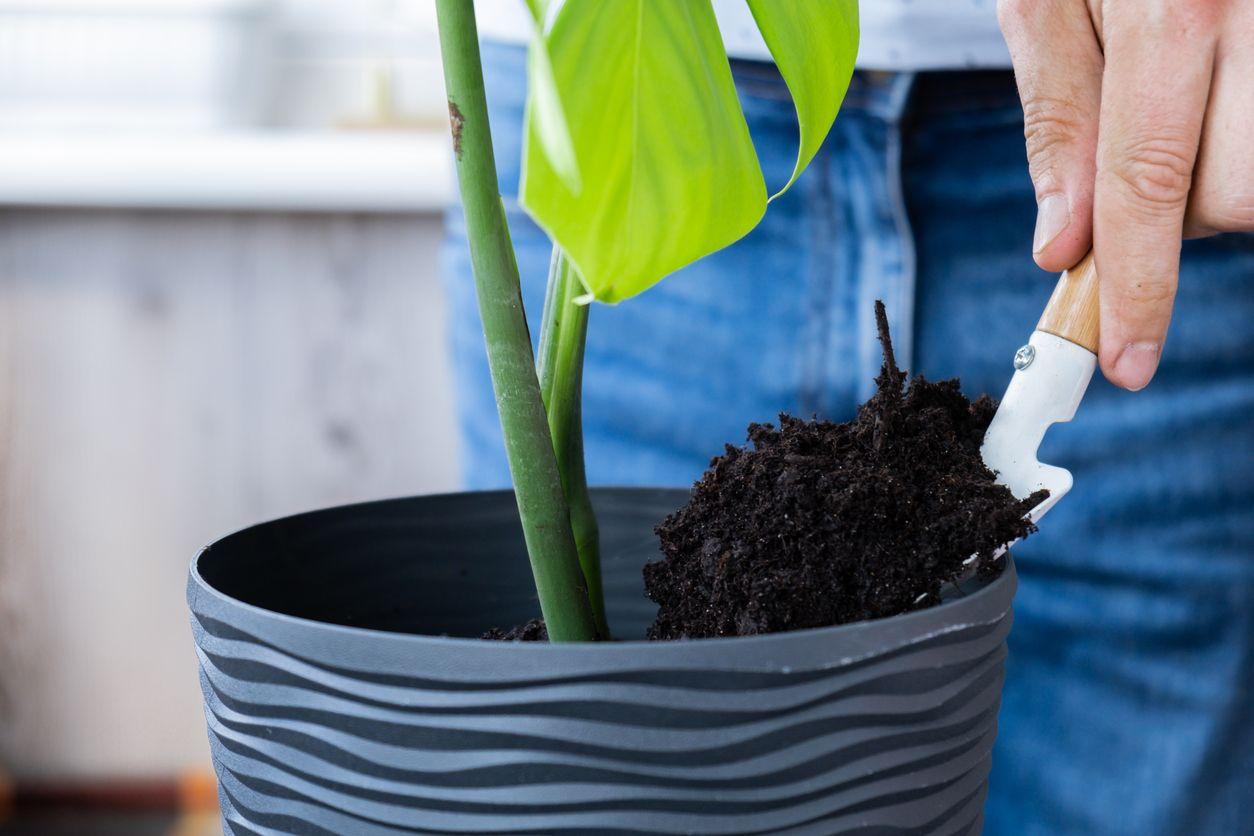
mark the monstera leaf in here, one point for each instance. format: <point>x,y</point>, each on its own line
<point>668,170</point>
<point>637,157</point>
<point>545,116</point>
<point>814,44</point>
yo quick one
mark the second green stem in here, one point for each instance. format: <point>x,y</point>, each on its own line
<point>563,334</point>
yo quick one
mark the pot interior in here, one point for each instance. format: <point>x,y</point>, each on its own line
<point>452,564</point>
<point>445,565</point>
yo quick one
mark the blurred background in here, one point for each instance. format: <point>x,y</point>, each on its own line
<point>219,303</point>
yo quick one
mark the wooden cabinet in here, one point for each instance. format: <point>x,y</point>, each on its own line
<point>166,377</point>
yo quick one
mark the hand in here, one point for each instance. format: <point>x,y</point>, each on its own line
<point>1138,116</point>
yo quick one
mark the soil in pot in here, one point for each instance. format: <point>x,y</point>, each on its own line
<point>817,523</point>
<point>530,631</point>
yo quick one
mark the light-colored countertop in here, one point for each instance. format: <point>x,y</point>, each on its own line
<point>247,170</point>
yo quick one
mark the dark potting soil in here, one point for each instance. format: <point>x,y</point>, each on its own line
<point>533,631</point>
<point>819,523</point>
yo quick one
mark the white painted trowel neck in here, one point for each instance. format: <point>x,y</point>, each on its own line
<point>1050,379</point>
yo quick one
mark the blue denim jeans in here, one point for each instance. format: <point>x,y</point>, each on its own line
<point>1129,700</point>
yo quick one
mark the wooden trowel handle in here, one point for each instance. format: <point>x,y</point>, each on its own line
<point>1072,312</point>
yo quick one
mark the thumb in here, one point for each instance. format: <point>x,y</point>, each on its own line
<point>1058,68</point>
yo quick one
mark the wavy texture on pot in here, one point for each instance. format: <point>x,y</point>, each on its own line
<point>335,706</point>
<point>664,169</point>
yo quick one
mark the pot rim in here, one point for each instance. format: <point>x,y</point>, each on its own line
<point>198,589</point>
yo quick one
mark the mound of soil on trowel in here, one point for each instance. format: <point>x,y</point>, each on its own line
<point>817,523</point>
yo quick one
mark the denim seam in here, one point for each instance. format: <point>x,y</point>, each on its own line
<point>891,274</point>
<point>904,342</point>
<point>824,232</point>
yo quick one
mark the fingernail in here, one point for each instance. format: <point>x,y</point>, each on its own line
<point>1136,364</point>
<point>1052,217</point>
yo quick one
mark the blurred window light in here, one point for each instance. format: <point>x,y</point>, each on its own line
<point>131,64</point>
<point>142,65</point>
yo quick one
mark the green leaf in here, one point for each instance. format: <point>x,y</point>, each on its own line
<point>544,106</point>
<point>546,114</point>
<point>814,43</point>
<point>669,171</point>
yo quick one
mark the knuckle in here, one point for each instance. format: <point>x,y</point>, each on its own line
<point>1050,124</point>
<point>1176,18</point>
<point>1193,17</point>
<point>1155,173</point>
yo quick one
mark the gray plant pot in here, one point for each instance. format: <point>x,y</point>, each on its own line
<point>345,693</point>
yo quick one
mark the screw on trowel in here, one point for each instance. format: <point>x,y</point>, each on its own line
<point>1024,357</point>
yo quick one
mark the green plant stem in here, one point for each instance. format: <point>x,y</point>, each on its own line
<point>533,465</point>
<point>563,333</point>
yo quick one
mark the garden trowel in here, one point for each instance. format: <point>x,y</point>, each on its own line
<point>1051,375</point>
